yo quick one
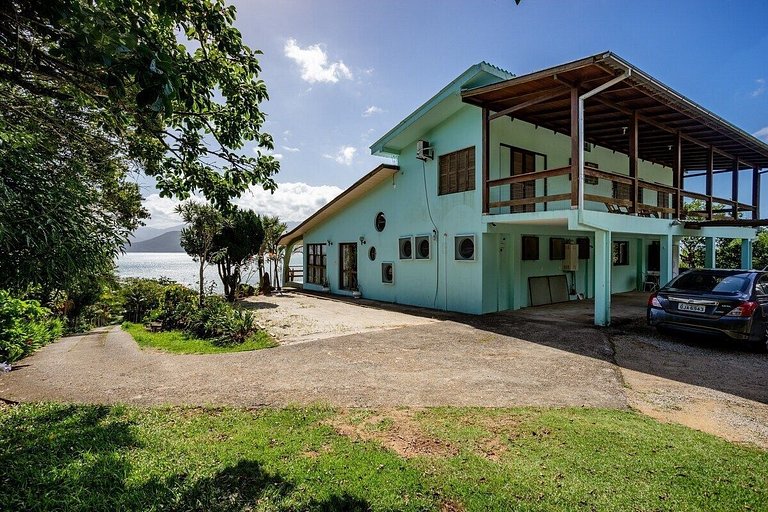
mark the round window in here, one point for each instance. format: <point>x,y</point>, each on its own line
<point>372,254</point>
<point>381,222</point>
<point>467,248</point>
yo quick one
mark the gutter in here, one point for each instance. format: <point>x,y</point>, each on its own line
<point>627,73</point>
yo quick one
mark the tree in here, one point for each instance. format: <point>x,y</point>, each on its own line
<point>234,246</point>
<point>67,203</point>
<point>95,89</point>
<point>204,222</point>
<point>170,81</point>
<point>273,230</point>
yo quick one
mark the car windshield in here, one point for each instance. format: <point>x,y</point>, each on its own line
<point>707,282</point>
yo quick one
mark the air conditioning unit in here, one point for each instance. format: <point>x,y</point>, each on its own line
<point>424,151</point>
<point>571,261</point>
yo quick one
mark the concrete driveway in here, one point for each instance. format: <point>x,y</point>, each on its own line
<point>362,354</point>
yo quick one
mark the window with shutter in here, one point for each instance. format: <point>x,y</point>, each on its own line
<point>457,171</point>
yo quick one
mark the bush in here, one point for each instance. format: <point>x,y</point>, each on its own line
<point>177,308</point>
<point>140,297</point>
<point>25,326</point>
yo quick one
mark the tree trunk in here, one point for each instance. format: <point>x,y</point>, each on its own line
<point>202,283</point>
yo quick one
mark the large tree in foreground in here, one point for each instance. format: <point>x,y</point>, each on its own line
<point>93,89</point>
<point>170,80</point>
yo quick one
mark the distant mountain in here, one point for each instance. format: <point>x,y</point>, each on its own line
<point>147,233</point>
<point>167,242</point>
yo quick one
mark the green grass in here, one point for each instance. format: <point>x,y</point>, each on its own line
<point>179,343</point>
<point>76,457</point>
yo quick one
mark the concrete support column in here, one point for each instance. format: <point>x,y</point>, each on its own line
<point>675,255</point>
<point>641,264</point>
<point>665,259</point>
<point>709,252</point>
<point>603,249</point>
<point>746,253</point>
<point>519,286</point>
<point>287,262</point>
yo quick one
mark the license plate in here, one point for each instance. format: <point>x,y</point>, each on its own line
<point>691,307</point>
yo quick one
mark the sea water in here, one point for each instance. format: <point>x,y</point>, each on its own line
<point>179,267</point>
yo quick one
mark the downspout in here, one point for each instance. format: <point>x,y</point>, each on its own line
<point>583,97</point>
<point>580,214</point>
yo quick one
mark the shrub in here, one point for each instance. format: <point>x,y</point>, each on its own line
<point>239,327</point>
<point>177,308</point>
<point>140,297</point>
<point>25,326</point>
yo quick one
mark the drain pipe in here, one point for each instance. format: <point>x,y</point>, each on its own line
<point>627,73</point>
<point>602,320</point>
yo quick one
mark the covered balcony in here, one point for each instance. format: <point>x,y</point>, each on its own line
<point>676,160</point>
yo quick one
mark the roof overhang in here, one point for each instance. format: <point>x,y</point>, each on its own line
<point>340,202</point>
<point>543,99</point>
<point>441,106</point>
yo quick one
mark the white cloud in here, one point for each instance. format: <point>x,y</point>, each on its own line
<point>161,211</point>
<point>373,109</point>
<point>290,149</point>
<point>344,156</point>
<point>762,134</point>
<point>268,152</point>
<point>292,202</point>
<point>314,63</point>
<point>762,86</point>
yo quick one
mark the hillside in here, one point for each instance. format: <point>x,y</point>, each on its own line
<point>167,242</point>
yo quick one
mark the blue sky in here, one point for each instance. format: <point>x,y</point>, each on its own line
<point>342,73</point>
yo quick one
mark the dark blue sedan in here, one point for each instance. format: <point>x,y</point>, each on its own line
<point>733,303</point>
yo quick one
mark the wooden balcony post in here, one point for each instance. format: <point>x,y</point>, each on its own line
<point>755,192</point>
<point>735,188</point>
<point>486,158</point>
<point>574,147</point>
<point>633,144</point>
<point>710,170</point>
<point>677,176</point>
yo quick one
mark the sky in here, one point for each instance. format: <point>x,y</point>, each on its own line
<point>340,74</point>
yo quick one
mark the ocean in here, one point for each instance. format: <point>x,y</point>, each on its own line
<point>179,267</point>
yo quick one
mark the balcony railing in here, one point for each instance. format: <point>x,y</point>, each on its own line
<point>714,207</point>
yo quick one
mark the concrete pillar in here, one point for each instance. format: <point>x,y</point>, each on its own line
<point>286,263</point>
<point>675,255</point>
<point>746,253</point>
<point>709,252</point>
<point>665,259</point>
<point>519,285</point>
<point>641,263</point>
<point>603,267</point>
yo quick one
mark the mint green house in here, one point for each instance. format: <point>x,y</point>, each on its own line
<point>563,184</point>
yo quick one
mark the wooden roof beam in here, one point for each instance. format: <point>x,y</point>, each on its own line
<point>533,101</point>
<point>662,126</point>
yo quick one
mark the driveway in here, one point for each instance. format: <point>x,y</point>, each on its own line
<point>361,354</point>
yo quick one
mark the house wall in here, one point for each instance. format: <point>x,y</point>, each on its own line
<point>557,148</point>
<point>497,279</point>
<point>440,282</point>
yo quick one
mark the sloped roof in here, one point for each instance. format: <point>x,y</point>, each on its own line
<point>337,204</point>
<point>437,108</point>
<point>543,98</point>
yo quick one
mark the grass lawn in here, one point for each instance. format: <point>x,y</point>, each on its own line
<point>75,457</point>
<point>179,343</point>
